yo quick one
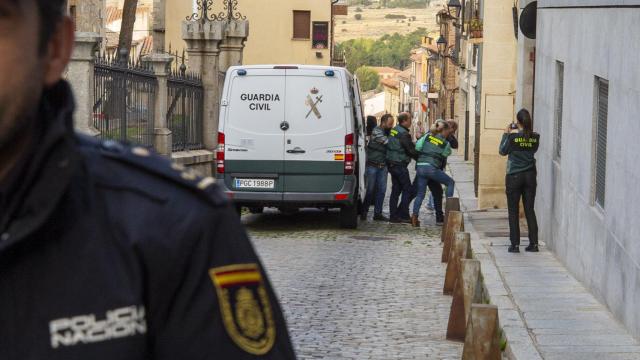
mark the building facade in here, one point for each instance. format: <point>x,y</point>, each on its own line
<point>497,81</point>
<point>281,31</point>
<point>587,88</point>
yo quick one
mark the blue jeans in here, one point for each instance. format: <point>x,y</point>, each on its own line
<point>401,185</point>
<point>425,173</point>
<point>376,188</point>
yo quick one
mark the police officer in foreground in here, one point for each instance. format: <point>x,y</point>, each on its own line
<point>400,151</point>
<point>106,252</point>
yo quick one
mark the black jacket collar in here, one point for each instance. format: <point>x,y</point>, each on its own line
<point>47,172</point>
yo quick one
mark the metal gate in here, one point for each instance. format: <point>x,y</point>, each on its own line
<point>124,96</point>
<point>185,112</point>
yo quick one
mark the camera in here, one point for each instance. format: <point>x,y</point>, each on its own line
<point>513,126</point>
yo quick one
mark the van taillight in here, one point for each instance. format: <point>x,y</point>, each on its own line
<point>220,154</point>
<point>349,155</point>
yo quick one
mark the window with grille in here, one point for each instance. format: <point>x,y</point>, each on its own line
<point>601,118</point>
<point>320,35</point>
<point>302,25</point>
<point>558,109</point>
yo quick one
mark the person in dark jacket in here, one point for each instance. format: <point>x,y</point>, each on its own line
<point>400,151</point>
<point>108,251</point>
<point>433,148</point>
<point>520,144</point>
<point>372,123</point>
<point>376,171</point>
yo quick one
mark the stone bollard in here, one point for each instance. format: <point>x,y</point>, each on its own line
<point>452,204</point>
<point>464,294</point>
<point>454,224</point>
<point>482,340</point>
<point>460,249</point>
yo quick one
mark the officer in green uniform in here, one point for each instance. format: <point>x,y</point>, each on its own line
<point>109,251</point>
<point>400,151</point>
<point>433,149</point>
<point>520,144</point>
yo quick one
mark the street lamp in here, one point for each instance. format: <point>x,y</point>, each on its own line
<point>442,44</point>
<point>454,7</point>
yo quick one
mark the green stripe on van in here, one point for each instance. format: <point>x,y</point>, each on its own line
<point>293,176</point>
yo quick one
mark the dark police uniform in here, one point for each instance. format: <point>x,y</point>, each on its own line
<point>107,252</point>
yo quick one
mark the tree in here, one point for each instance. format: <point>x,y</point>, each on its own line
<point>368,78</point>
<point>126,29</point>
<point>390,50</point>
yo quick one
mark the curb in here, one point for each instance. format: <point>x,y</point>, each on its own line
<point>520,344</point>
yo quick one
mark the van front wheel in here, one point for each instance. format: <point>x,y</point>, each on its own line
<point>349,216</point>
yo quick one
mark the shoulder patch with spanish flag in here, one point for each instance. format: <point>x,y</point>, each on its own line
<point>245,308</point>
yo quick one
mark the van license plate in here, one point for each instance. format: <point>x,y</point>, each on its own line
<point>255,184</point>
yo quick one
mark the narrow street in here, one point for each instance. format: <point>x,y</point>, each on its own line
<point>374,293</point>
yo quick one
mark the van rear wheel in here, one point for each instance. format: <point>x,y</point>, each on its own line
<point>349,216</point>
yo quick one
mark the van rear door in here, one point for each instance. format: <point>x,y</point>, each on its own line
<point>315,142</point>
<point>254,141</point>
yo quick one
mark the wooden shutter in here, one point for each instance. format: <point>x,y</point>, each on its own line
<point>301,24</point>
<point>601,140</point>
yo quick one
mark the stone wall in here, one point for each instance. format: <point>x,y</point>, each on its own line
<point>600,246</point>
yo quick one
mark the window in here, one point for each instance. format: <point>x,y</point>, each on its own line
<point>320,35</point>
<point>73,15</point>
<point>601,118</point>
<point>558,109</point>
<point>301,25</point>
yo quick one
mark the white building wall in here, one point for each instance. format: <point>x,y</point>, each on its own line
<point>602,248</point>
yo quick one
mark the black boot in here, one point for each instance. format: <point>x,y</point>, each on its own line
<point>532,248</point>
<point>514,249</point>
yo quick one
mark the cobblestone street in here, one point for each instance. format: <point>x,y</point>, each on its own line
<point>375,293</point>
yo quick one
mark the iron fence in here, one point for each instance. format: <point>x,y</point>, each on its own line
<point>124,96</point>
<point>186,110</point>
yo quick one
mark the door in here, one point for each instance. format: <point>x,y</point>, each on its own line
<point>315,141</point>
<point>254,140</point>
<point>360,128</point>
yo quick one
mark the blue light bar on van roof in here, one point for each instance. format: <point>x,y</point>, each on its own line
<point>242,72</point>
<point>329,73</point>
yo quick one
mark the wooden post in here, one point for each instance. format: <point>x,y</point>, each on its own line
<point>459,250</point>
<point>454,224</point>
<point>464,294</point>
<point>452,204</point>
<point>482,340</point>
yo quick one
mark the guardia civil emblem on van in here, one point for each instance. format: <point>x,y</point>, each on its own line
<point>313,103</point>
<point>245,308</point>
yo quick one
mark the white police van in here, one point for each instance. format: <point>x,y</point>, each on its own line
<point>292,137</point>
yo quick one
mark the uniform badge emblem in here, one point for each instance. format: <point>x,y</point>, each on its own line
<point>245,308</point>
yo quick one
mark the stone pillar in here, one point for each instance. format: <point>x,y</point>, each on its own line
<point>160,64</point>
<point>232,46</point>
<point>203,39</point>
<point>87,11</point>
<point>159,28</point>
<point>80,75</point>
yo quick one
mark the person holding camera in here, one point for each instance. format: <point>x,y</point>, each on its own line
<point>520,144</point>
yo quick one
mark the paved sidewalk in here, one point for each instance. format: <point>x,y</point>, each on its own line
<point>545,312</point>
